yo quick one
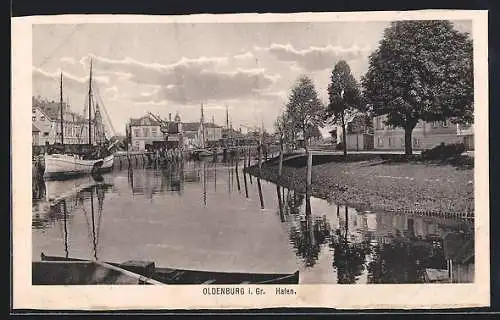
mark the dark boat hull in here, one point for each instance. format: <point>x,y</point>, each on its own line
<point>182,276</point>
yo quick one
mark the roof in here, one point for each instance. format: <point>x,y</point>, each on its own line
<point>190,126</point>
<point>138,121</point>
<point>41,126</point>
<point>34,128</point>
<point>51,109</point>
<point>211,125</point>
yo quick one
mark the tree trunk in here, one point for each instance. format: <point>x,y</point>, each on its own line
<point>408,142</point>
<point>344,136</point>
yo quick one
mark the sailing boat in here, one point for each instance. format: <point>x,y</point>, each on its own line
<point>202,151</point>
<point>66,165</point>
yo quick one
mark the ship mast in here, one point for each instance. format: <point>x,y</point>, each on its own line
<point>90,104</point>
<point>61,104</point>
<point>202,128</point>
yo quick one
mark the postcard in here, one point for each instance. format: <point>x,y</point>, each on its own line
<point>238,161</point>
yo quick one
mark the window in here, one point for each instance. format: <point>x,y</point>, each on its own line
<point>137,132</point>
<point>154,131</point>
<point>402,140</point>
<point>390,142</point>
<point>380,142</point>
<point>416,142</point>
<point>45,134</point>
<point>33,111</point>
<point>145,132</point>
<point>33,118</point>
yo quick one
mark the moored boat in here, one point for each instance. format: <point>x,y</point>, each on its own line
<point>97,157</point>
<point>84,273</point>
<point>183,276</point>
<point>61,166</point>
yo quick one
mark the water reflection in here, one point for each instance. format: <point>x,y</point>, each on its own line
<point>89,200</point>
<point>193,213</point>
<point>366,247</point>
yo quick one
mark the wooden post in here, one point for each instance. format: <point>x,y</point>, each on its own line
<point>280,203</point>
<point>245,182</point>
<point>280,166</point>
<point>260,194</point>
<point>260,157</point>
<point>237,175</point>
<point>309,172</point>
<point>248,165</point>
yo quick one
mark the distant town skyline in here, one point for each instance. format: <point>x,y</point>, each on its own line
<point>167,68</point>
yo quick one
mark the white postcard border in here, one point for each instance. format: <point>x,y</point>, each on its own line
<point>383,296</point>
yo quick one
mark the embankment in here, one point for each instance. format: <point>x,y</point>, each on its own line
<point>375,182</point>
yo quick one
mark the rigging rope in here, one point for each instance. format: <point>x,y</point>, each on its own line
<point>66,39</point>
<point>103,107</point>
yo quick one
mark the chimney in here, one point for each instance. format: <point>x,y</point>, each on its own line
<point>169,117</point>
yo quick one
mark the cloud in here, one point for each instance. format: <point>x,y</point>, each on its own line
<point>211,85</point>
<point>69,81</point>
<point>151,73</point>
<point>69,60</point>
<point>188,80</point>
<point>314,58</point>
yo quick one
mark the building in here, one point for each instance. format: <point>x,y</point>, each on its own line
<point>45,126</point>
<point>46,117</point>
<point>467,134</point>
<point>151,132</point>
<point>359,133</point>
<point>173,132</point>
<point>194,135</point>
<point>212,136</point>
<point>426,135</point>
<point>35,135</point>
<point>144,133</point>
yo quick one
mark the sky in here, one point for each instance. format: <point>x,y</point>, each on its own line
<point>175,67</point>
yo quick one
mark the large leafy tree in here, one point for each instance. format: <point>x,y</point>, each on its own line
<point>304,110</point>
<point>344,97</point>
<point>422,70</point>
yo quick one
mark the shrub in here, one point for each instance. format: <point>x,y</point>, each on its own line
<point>444,151</point>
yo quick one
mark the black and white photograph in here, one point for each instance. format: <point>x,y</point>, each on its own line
<point>253,157</point>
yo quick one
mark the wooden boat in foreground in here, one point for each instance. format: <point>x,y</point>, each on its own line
<point>83,273</point>
<point>167,275</point>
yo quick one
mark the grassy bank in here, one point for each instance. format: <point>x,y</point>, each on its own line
<point>378,184</point>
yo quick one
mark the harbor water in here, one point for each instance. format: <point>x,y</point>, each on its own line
<point>208,215</point>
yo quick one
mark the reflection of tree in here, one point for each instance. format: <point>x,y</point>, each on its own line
<point>348,258</point>
<point>294,202</point>
<point>309,236</point>
<point>404,260</point>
